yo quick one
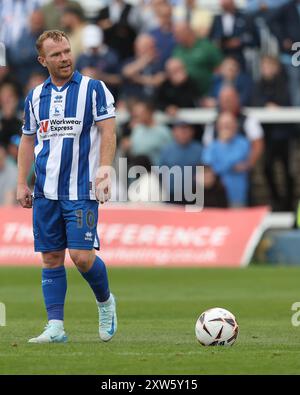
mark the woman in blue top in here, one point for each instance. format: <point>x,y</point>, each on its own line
<point>226,156</point>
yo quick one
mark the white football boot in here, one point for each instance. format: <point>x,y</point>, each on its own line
<point>107,319</point>
<point>53,333</point>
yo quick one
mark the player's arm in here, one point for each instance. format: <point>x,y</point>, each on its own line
<point>25,158</point>
<point>107,128</point>
<point>26,154</point>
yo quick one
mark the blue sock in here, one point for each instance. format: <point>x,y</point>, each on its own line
<point>54,285</point>
<point>97,279</point>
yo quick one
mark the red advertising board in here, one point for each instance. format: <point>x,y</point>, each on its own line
<point>144,236</point>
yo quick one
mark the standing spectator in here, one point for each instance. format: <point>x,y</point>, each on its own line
<point>148,137</point>
<point>182,152</point>
<point>144,73</point>
<point>248,126</point>
<point>232,31</point>
<point>178,90</point>
<point>225,155</point>
<point>10,121</point>
<point>99,57</point>
<point>272,92</point>
<point>200,56</point>
<point>163,34</point>
<point>8,179</point>
<point>199,19</point>
<point>73,22</point>
<point>119,31</point>
<point>53,11</point>
<point>230,74</point>
<point>286,27</point>
<point>23,55</point>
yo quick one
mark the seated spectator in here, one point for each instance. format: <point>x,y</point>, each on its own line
<point>34,80</point>
<point>233,31</point>
<point>14,15</point>
<point>183,152</point>
<point>144,73</point>
<point>8,179</point>
<point>254,6</point>
<point>125,130</point>
<point>226,156</point>
<point>99,57</point>
<point>148,137</point>
<point>214,190</point>
<point>163,34</point>
<point>118,27</point>
<point>230,74</point>
<point>10,120</point>
<point>6,76</point>
<point>200,56</point>
<point>23,55</point>
<point>144,15</point>
<point>198,18</point>
<point>13,148</point>
<point>53,11</point>
<point>73,23</point>
<point>248,126</point>
<point>272,92</point>
<point>178,91</point>
<point>12,152</point>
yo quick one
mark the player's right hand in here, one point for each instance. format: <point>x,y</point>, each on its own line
<point>103,184</point>
<point>24,196</point>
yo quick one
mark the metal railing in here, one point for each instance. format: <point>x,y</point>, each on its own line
<point>203,116</point>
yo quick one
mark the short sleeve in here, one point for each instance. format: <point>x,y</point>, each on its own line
<point>30,124</point>
<point>253,129</point>
<point>103,102</point>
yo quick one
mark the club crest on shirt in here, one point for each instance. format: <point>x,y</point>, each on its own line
<point>57,112</point>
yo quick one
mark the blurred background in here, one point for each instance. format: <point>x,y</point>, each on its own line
<point>193,80</point>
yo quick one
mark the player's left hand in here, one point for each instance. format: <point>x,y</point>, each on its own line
<point>103,184</point>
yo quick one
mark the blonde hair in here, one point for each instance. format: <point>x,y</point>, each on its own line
<point>55,35</point>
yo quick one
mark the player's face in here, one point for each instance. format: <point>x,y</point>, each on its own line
<point>57,57</point>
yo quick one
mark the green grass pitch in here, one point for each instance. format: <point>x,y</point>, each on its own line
<point>157,310</point>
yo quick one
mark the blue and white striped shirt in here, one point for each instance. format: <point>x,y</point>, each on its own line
<point>67,143</point>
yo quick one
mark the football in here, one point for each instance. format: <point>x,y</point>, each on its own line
<point>216,327</point>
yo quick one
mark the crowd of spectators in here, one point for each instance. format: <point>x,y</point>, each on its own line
<point>162,55</point>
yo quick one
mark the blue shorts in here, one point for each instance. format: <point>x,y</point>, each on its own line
<point>60,224</point>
